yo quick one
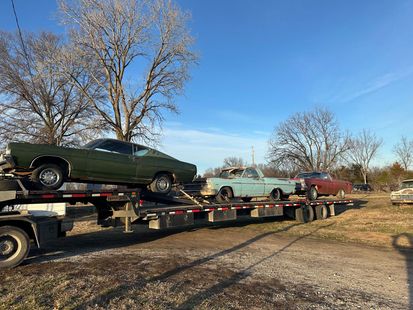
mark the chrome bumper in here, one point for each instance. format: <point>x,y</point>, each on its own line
<point>6,163</point>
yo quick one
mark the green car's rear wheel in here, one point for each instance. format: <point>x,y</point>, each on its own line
<point>162,184</point>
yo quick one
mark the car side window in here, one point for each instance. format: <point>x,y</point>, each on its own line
<point>251,173</point>
<point>139,150</point>
<point>115,147</point>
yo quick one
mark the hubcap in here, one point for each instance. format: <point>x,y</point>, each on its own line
<point>8,247</point>
<point>49,177</point>
<point>162,184</point>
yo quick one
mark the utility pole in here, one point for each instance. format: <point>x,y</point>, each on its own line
<point>253,155</point>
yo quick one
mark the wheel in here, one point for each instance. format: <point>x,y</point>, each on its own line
<point>321,212</point>
<point>14,246</point>
<point>341,194</point>
<point>313,193</point>
<point>275,195</point>
<point>246,199</point>
<point>161,184</point>
<point>224,195</point>
<point>304,215</point>
<point>310,214</point>
<point>47,177</point>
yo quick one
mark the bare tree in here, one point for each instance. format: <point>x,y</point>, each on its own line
<point>38,104</point>
<point>364,148</point>
<point>233,162</point>
<point>143,49</point>
<point>404,152</point>
<point>308,141</point>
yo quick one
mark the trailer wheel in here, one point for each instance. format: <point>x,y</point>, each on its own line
<point>300,215</point>
<point>47,177</point>
<point>224,195</point>
<point>161,184</point>
<point>313,193</point>
<point>275,195</point>
<point>321,212</point>
<point>310,214</point>
<point>341,194</point>
<point>14,246</point>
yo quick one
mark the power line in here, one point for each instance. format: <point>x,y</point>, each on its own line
<point>21,39</point>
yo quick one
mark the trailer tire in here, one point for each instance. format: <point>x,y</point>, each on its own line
<point>300,215</point>
<point>14,246</point>
<point>321,212</point>
<point>310,214</point>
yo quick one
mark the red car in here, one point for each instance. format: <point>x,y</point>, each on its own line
<point>316,184</point>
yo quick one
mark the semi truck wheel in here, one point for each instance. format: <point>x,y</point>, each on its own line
<point>14,246</point>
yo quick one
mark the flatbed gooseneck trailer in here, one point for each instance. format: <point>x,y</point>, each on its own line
<point>18,228</point>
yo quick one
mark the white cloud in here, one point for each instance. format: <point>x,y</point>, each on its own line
<point>208,149</point>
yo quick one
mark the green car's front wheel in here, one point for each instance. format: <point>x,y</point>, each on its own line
<point>47,177</point>
<point>162,183</point>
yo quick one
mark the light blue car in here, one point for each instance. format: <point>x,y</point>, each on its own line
<point>246,183</point>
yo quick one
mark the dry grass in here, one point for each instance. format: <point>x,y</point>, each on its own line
<point>372,220</point>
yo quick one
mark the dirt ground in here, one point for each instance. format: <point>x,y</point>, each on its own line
<point>363,258</point>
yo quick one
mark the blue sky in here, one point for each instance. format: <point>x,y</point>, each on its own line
<point>261,61</point>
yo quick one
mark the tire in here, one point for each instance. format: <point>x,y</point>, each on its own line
<point>275,195</point>
<point>341,194</point>
<point>224,195</point>
<point>310,214</point>
<point>321,212</point>
<point>47,177</point>
<point>313,193</point>
<point>246,199</point>
<point>14,246</point>
<point>162,184</point>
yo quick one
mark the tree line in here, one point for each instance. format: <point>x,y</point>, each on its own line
<point>314,141</point>
<point>117,70</point>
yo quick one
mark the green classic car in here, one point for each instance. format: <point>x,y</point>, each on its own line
<point>105,161</point>
<point>246,183</point>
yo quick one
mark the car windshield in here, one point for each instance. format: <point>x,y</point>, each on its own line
<point>307,175</point>
<point>110,146</point>
<point>408,184</point>
<point>229,174</point>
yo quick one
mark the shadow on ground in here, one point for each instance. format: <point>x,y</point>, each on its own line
<point>209,292</point>
<point>404,244</point>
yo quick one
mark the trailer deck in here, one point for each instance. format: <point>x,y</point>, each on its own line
<point>126,207</point>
